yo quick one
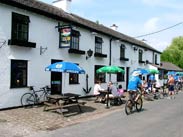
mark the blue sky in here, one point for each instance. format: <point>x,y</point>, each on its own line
<point>135,17</point>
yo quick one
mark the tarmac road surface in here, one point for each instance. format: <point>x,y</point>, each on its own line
<point>160,118</point>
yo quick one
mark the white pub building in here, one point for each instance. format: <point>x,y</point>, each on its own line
<point>34,35</point>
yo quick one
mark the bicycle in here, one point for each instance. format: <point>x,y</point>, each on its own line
<point>36,97</point>
<point>136,101</point>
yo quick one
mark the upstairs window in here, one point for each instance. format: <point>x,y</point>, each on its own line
<point>18,73</point>
<point>122,51</point>
<point>75,39</point>
<point>20,31</point>
<point>156,59</point>
<point>98,45</point>
<point>20,27</point>
<point>140,55</point>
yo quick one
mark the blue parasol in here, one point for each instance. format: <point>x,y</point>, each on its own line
<point>142,71</point>
<point>66,67</point>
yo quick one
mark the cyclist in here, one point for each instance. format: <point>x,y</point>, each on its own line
<point>134,83</point>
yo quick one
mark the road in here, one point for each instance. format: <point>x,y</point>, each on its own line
<point>160,118</point>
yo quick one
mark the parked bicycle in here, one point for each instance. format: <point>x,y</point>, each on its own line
<point>35,97</point>
<point>135,102</point>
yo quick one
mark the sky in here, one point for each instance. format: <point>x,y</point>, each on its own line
<point>135,17</point>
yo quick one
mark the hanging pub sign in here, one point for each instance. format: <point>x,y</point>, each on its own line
<point>65,36</point>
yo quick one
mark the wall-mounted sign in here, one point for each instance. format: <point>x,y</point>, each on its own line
<point>65,36</point>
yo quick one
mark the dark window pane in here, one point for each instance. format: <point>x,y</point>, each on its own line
<point>99,76</point>
<point>120,76</point>
<point>140,55</point>
<point>18,73</point>
<point>122,51</point>
<point>75,39</point>
<point>20,27</point>
<point>98,45</point>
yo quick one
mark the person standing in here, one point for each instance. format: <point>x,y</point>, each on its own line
<point>171,83</point>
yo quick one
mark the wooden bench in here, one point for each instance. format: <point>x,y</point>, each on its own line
<point>50,106</point>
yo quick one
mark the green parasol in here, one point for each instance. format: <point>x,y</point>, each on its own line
<point>110,70</point>
<point>153,71</point>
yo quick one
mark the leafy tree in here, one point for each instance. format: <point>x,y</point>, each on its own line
<point>174,52</point>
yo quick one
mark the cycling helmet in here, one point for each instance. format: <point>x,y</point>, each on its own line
<point>136,73</point>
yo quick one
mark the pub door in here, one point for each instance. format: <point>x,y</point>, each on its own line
<point>56,80</point>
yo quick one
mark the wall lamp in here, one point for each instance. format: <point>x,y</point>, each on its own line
<point>134,48</point>
<point>94,33</point>
<point>42,50</point>
<point>89,54</point>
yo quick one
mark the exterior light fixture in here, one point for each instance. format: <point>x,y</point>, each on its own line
<point>134,48</point>
<point>42,50</point>
<point>89,54</point>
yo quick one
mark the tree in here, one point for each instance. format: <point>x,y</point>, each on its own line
<point>174,52</point>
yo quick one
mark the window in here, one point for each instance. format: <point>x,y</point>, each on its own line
<point>18,73</point>
<point>99,76</point>
<point>140,54</point>
<point>120,76</point>
<point>122,51</point>
<point>20,27</point>
<point>20,31</point>
<point>156,59</point>
<point>75,39</point>
<point>73,78</point>
<point>98,45</point>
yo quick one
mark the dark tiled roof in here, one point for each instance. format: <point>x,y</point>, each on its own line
<point>58,14</point>
<point>169,66</point>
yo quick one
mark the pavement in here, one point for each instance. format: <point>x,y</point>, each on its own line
<point>22,122</point>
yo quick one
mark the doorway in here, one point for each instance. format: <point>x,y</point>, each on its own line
<point>56,80</point>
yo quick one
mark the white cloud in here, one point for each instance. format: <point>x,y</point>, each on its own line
<point>151,24</point>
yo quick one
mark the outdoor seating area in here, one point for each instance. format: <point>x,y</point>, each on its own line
<point>62,102</point>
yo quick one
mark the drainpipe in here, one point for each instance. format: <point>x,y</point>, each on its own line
<point>110,53</point>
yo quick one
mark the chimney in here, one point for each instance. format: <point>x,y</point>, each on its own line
<point>114,27</point>
<point>62,4</point>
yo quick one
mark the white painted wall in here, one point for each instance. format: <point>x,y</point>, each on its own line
<point>42,31</point>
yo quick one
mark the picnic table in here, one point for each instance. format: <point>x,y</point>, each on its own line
<point>59,102</point>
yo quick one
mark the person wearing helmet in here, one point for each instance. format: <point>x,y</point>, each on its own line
<point>134,83</point>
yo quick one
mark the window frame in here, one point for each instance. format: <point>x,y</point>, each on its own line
<point>75,39</point>
<point>14,81</point>
<point>99,76</point>
<point>140,55</point>
<point>122,51</point>
<point>76,79</point>
<point>98,44</point>
<point>120,77</point>
<point>20,27</point>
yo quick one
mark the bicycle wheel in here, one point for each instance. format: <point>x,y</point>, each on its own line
<point>27,99</point>
<point>128,107</point>
<point>139,104</point>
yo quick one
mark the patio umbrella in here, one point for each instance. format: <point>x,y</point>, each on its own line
<point>110,70</point>
<point>67,67</point>
<point>153,71</point>
<point>142,71</point>
<point>179,73</point>
<point>171,73</point>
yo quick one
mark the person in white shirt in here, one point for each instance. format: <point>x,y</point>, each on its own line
<point>98,91</point>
